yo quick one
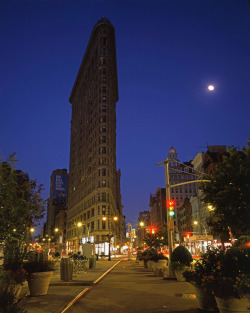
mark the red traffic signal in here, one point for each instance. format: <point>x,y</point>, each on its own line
<point>152,229</point>
<point>170,203</point>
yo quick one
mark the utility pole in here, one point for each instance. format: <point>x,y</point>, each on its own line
<point>169,220</point>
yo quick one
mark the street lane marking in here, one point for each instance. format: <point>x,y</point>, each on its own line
<point>87,289</point>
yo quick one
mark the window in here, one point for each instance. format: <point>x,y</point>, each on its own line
<point>92,212</point>
<point>92,227</point>
<point>102,161</point>
<point>104,210</point>
<point>88,214</point>
<point>104,172</point>
<point>103,61</point>
<point>104,89</point>
<point>104,99</point>
<point>103,109</point>
<point>98,226</point>
<point>103,196</point>
<point>102,150</point>
<point>103,41</point>
<point>102,139</point>
<point>103,129</point>
<point>102,119</point>
<point>104,183</point>
<point>103,225</point>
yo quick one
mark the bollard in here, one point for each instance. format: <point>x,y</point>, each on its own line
<point>92,261</point>
<point>66,269</point>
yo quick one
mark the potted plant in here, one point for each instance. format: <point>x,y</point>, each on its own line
<point>160,264</point>
<point>229,279</point>
<point>40,273</point>
<point>139,257</point>
<point>148,256</point>
<point>14,279</point>
<point>194,276</point>
<point>8,301</point>
<point>180,261</point>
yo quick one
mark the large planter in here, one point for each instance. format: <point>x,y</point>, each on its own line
<point>160,268</point>
<point>39,283</point>
<point>16,290</point>
<point>178,273</point>
<point>233,305</point>
<point>150,265</point>
<point>206,301</point>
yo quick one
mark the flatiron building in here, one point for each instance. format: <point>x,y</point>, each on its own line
<point>94,181</point>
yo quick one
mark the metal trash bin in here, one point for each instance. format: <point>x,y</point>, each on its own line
<point>92,261</point>
<point>66,269</point>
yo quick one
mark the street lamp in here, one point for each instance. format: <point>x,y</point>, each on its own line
<point>196,223</point>
<point>115,219</point>
<point>80,224</point>
<point>57,230</point>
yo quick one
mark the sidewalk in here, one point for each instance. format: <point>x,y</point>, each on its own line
<point>128,288</point>
<point>60,293</point>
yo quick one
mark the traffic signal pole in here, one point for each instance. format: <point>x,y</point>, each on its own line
<point>169,220</point>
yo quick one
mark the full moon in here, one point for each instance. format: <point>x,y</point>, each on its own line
<point>210,87</point>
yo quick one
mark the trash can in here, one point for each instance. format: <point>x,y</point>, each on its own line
<point>66,269</point>
<point>92,261</point>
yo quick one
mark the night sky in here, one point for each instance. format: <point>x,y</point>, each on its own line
<point>168,52</point>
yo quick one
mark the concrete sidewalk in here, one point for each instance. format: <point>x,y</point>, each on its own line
<point>128,288</point>
<point>60,293</point>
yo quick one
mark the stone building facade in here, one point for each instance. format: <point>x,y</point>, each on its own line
<point>94,182</point>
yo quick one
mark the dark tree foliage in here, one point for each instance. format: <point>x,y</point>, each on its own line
<point>21,207</point>
<point>158,239</point>
<point>229,193</point>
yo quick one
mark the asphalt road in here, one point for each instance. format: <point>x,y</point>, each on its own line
<point>132,289</point>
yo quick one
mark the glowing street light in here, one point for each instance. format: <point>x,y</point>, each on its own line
<point>32,229</point>
<point>115,219</point>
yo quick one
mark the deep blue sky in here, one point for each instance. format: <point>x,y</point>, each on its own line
<point>168,52</point>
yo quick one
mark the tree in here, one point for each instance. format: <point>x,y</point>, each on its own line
<point>156,237</point>
<point>21,207</point>
<point>229,193</point>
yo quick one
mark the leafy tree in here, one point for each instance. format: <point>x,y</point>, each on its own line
<point>21,207</point>
<point>157,238</point>
<point>228,192</point>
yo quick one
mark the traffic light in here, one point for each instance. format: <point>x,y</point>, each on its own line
<point>152,229</point>
<point>171,205</point>
<point>188,235</point>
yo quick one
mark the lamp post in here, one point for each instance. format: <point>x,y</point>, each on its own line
<point>80,224</point>
<point>57,230</point>
<point>115,219</point>
<point>196,223</point>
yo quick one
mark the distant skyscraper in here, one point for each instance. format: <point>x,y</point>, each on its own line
<point>57,208</point>
<point>94,182</point>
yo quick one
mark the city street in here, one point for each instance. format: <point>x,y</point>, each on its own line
<point>131,288</point>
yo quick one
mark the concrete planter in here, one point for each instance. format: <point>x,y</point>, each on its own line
<point>150,265</point>
<point>39,283</point>
<point>233,305</point>
<point>160,268</point>
<point>178,273</point>
<point>206,301</point>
